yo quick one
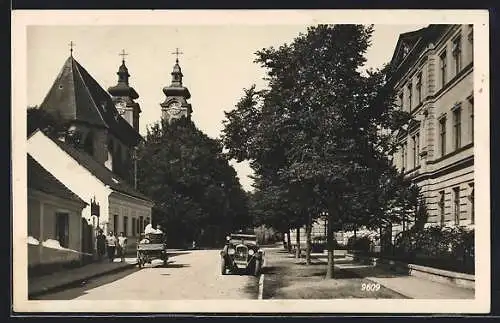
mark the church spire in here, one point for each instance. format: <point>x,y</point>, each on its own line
<point>176,72</point>
<point>122,88</point>
<point>123,74</point>
<point>176,95</point>
<point>124,95</point>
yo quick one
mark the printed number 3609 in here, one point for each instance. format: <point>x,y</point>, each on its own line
<point>370,287</point>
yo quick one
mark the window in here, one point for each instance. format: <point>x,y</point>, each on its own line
<point>416,149</point>
<point>442,135</point>
<point>133,227</point>
<point>471,118</point>
<point>457,54</point>
<point>115,224</point>
<point>419,87</point>
<point>457,126</point>
<point>141,224</point>
<point>441,207</point>
<point>125,225</point>
<point>147,221</point>
<point>456,205</point>
<point>410,95</point>
<point>62,229</point>
<point>470,38</point>
<point>471,199</point>
<point>443,66</point>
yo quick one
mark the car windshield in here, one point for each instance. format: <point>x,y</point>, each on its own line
<point>243,238</point>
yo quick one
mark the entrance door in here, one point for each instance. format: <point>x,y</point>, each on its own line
<point>87,241</point>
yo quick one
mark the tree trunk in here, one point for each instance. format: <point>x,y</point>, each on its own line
<point>297,248</point>
<point>308,241</point>
<point>289,241</point>
<point>330,245</point>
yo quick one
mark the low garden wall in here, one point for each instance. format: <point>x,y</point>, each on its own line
<point>430,273</point>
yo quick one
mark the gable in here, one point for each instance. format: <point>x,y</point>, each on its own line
<point>406,44</point>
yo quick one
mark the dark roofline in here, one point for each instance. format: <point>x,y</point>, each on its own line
<point>101,172</point>
<point>50,181</point>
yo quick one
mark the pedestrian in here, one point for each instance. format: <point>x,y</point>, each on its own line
<point>111,240</point>
<point>101,245</point>
<point>122,246</point>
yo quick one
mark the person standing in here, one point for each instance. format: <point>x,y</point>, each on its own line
<point>122,246</point>
<point>111,241</point>
<point>101,245</point>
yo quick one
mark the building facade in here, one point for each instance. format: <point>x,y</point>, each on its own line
<point>94,156</point>
<point>432,74</point>
<point>54,216</point>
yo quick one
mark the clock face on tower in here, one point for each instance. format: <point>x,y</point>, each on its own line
<point>120,106</point>
<point>175,108</point>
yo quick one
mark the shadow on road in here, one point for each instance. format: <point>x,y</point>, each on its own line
<point>178,253</point>
<point>81,288</point>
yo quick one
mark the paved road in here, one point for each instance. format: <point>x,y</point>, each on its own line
<point>190,275</point>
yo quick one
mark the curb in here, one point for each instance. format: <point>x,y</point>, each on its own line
<point>261,287</point>
<point>77,281</point>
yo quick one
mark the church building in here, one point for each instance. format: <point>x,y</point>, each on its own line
<point>94,157</point>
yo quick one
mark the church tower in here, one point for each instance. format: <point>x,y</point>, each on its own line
<point>175,105</point>
<point>124,96</point>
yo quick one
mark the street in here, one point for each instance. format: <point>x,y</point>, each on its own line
<point>190,275</point>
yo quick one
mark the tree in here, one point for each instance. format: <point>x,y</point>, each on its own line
<point>329,126</point>
<point>197,192</point>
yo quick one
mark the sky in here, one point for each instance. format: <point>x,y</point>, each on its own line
<point>217,63</point>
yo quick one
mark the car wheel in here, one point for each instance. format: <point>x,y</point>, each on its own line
<point>223,266</point>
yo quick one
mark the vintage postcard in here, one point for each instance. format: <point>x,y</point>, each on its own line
<point>260,161</point>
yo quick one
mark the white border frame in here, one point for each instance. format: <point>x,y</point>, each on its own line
<point>22,19</point>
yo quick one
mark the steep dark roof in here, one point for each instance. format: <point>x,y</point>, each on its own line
<point>76,95</point>
<point>100,171</point>
<point>40,179</point>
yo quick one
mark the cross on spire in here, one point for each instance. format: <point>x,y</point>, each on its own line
<point>177,53</point>
<point>123,54</point>
<point>71,44</point>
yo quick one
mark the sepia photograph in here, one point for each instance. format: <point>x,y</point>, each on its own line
<point>251,161</point>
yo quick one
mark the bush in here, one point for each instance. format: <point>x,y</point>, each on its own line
<point>363,243</point>
<point>446,248</point>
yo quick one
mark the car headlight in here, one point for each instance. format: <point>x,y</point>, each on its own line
<point>251,252</point>
<point>231,251</point>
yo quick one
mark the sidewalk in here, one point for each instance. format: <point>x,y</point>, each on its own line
<point>43,284</point>
<point>409,286</point>
<point>288,278</point>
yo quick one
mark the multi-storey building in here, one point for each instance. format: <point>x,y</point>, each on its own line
<point>432,74</point>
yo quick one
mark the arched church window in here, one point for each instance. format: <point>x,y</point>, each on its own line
<point>88,144</point>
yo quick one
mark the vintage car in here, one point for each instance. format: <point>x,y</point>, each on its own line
<point>153,246</point>
<point>242,253</point>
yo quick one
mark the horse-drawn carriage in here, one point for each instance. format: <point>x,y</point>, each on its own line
<point>153,246</point>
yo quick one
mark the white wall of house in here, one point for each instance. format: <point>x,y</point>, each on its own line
<point>42,214</point>
<point>67,170</point>
<point>124,208</point>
